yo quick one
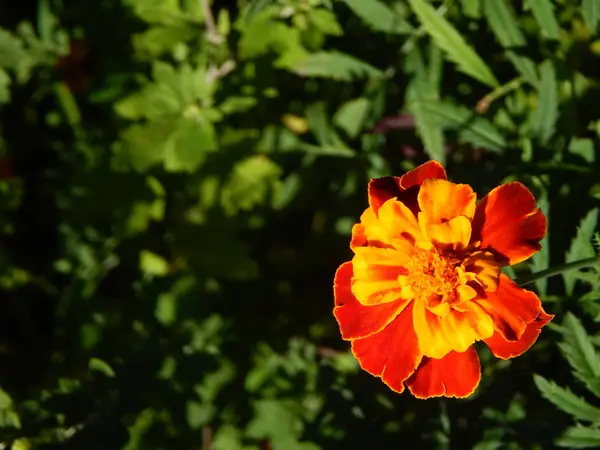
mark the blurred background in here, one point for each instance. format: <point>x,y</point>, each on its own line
<point>178,182</point>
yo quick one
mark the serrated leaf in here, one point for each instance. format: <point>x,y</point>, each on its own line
<point>541,260</point>
<point>506,29</point>
<point>566,401</point>
<point>144,146</point>
<point>472,129</point>
<point>352,115</point>
<point>546,114</point>
<point>581,247</point>
<point>543,11</point>
<point>579,351</point>
<point>448,39</point>
<point>335,65</point>
<point>591,14</point>
<point>580,437</point>
<point>379,16</point>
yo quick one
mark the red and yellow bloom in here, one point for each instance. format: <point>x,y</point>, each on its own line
<point>425,283</point>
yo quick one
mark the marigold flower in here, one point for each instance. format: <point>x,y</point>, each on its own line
<point>425,283</point>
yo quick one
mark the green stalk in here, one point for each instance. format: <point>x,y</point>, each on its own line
<point>581,264</point>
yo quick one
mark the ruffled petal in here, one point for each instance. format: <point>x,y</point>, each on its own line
<point>455,375</point>
<point>454,233</point>
<point>376,272</point>
<point>511,307</point>
<point>415,177</point>
<point>357,321</point>
<point>382,189</point>
<point>395,226</point>
<point>438,335</point>
<point>508,222</point>
<point>501,348</point>
<point>442,200</point>
<point>392,354</point>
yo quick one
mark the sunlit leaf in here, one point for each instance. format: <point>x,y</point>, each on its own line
<point>580,437</point>
<point>379,16</point>
<point>591,14</point>
<point>579,351</point>
<point>543,11</point>
<point>566,401</point>
<point>449,40</point>
<point>334,65</point>
<point>506,29</point>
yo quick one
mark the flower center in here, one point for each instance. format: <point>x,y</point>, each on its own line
<point>431,273</point>
<point>437,279</point>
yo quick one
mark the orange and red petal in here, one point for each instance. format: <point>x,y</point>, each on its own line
<point>455,375</point>
<point>442,200</point>
<point>456,331</point>
<point>382,189</point>
<point>511,307</point>
<point>501,348</point>
<point>392,354</point>
<point>357,321</point>
<point>508,222</point>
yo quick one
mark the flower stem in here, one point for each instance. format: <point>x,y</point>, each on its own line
<point>581,264</point>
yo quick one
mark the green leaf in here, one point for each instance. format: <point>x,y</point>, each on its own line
<point>198,414</point>
<point>448,39</point>
<point>591,14</point>
<point>335,65</point>
<point>581,247</point>
<point>352,115</point>
<point>379,16</point>
<point>12,51</point>
<point>144,146</point>
<point>153,264</point>
<point>543,11</point>
<point>276,419</point>
<point>546,114</point>
<point>325,21</point>
<point>580,437</point>
<point>424,89</point>
<point>506,29</point>
<point>584,148</point>
<point>566,401</point>
<point>471,8</point>
<point>98,365</point>
<point>4,86</point>
<point>579,351</point>
<point>166,308</point>
<point>472,128</point>
<point>541,260</point>
<point>251,183</point>
<point>192,141</point>
<point>158,40</point>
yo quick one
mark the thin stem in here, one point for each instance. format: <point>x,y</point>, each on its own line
<point>212,34</point>
<point>581,264</point>
<point>500,91</point>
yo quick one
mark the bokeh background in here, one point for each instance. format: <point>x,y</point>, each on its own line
<point>178,181</point>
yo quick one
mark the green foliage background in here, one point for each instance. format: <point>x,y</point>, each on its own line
<point>178,181</point>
